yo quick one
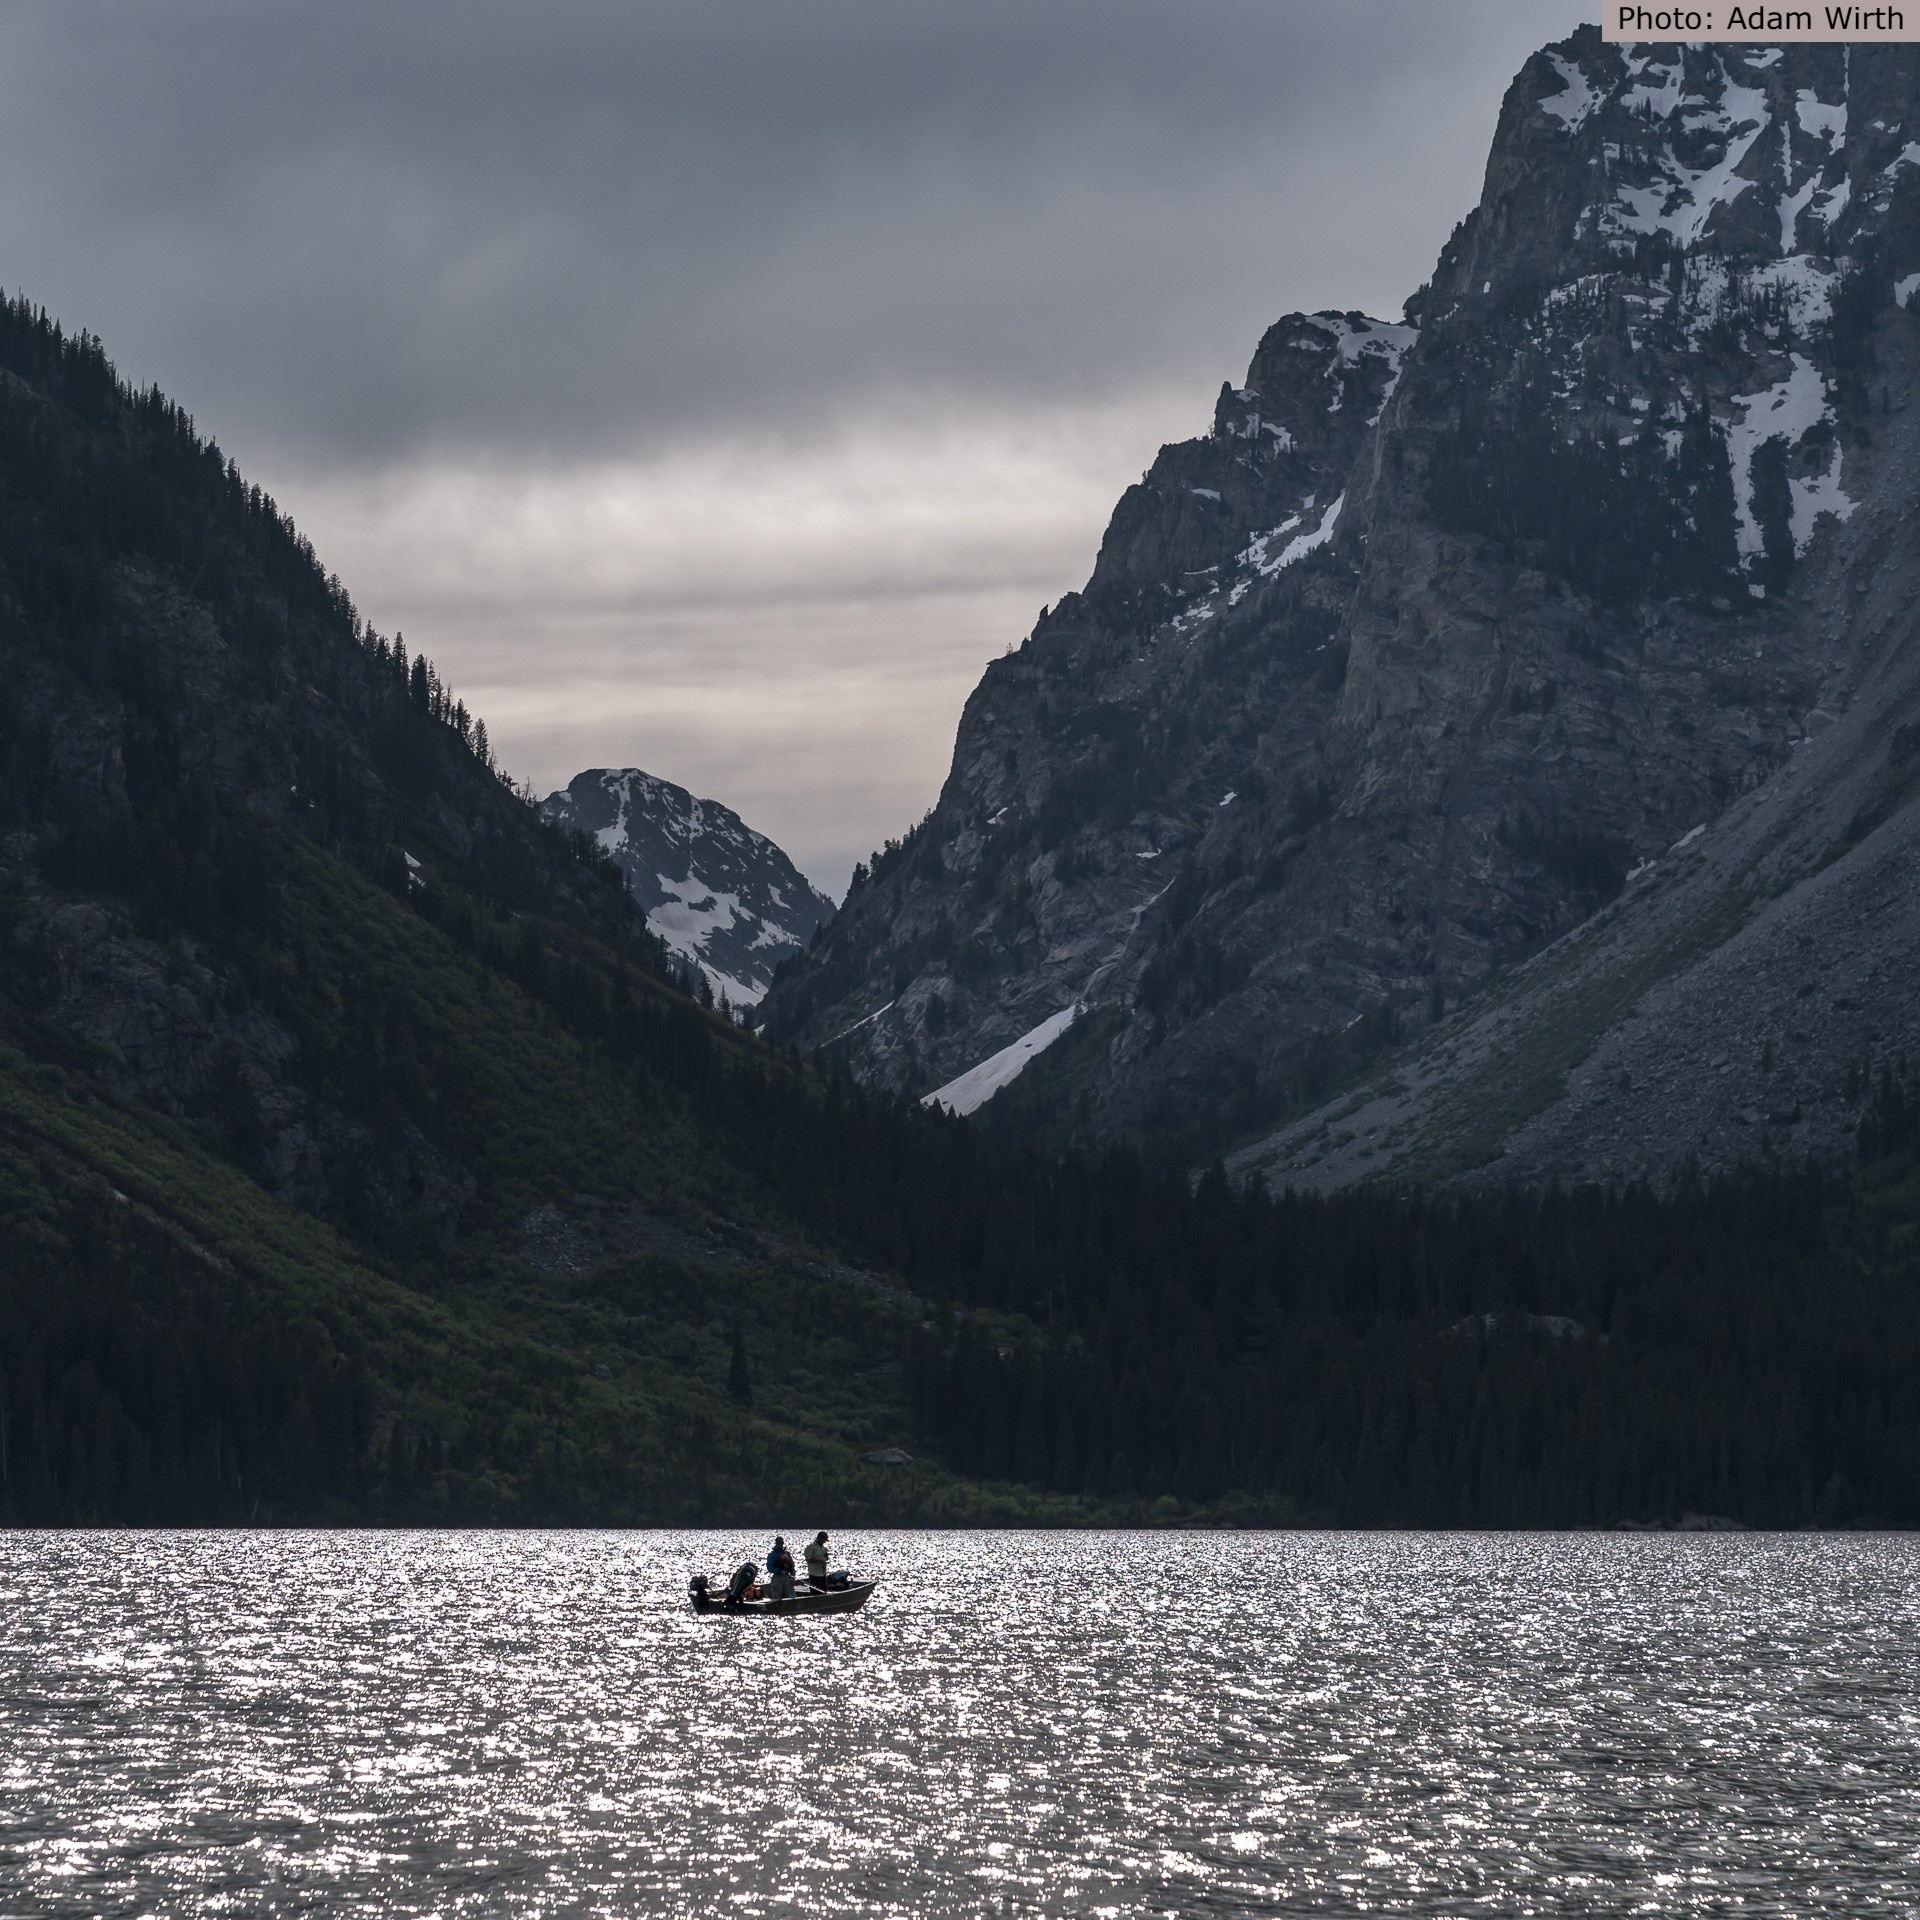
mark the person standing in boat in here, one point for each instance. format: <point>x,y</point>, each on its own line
<point>780,1570</point>
<point>817,1559</point>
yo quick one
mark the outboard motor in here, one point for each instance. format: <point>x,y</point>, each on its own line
<point>697,1591</point>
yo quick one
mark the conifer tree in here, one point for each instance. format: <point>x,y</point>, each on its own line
<point>739,1380</point>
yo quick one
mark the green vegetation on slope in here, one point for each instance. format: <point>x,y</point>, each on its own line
<point>176,1347</point>
<point>285,962</point>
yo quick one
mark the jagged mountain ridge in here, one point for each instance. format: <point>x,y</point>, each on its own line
<point>720,896</point>
<point>1231,517</point>
<point>1616,536</point>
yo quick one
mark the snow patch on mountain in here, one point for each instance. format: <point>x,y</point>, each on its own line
<point>1355,339</point>
<point>1297,548</point>
<point>1811,498</point>
<point>1793,205</point>
<point>1647,98</point>
<point>1818,118</point>
<point>1576,101</point>
<point>974,1088</point>
<point>1787,411</point>
<point>1680,198</point>
<point>1805,287</point>
<point>722,898</point>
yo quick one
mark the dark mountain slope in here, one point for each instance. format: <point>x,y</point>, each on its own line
<point>356,1154</point>
<point>183,691</point>
<point>1618,541</point>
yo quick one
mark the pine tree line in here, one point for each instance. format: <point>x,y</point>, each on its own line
<point>1551,1361</point>
<point>136,1389</point>
<point>1619,523</point>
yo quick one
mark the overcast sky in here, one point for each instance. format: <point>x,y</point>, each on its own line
<point>715,387</point>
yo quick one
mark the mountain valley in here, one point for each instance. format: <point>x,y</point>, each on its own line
<point>1473,802</point>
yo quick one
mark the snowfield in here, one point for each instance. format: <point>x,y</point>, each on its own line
<point>974,1088</point>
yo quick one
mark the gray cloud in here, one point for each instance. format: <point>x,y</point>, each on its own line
<point>371,229</point>
<point>377,246</point>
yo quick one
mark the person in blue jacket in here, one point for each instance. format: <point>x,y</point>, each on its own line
<point>780,1570</point>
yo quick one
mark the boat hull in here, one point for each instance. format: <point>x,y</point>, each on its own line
<point>848,1599</point>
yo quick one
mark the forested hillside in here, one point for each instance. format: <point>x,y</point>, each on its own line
<point>331,1072</point>
<point>1745,1348</point>
<point>358,1160</point>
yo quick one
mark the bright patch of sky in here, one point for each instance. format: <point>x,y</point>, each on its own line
<point>789,626</point>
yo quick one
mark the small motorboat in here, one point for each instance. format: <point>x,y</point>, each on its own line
<point>839,1595</point>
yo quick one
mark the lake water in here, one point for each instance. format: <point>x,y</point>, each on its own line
<point>1027,1723</point>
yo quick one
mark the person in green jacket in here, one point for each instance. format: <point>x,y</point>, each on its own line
<point>817,1559</point>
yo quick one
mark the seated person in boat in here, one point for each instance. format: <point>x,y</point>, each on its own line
<point>740,1587</point>
<point>817,1559</point>
<point>780,1570</point>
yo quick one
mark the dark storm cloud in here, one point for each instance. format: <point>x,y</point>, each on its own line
<point>369,232</point>
<point>716,387</point>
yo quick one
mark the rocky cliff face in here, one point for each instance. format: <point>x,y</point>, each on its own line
<point>1407,681</point>
<point>723,899</point>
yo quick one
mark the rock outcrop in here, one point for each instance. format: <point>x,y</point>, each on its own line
<point>1482,697</point>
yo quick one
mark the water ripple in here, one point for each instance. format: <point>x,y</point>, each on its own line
<point>1018,1723</point>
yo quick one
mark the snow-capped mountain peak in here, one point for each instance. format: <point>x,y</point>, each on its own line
<point>723,898</point>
